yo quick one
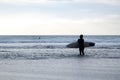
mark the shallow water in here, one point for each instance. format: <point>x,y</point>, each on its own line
<point>48,58</point>
<point>79,68</point>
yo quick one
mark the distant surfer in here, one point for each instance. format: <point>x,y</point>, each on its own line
<point>81,45</point>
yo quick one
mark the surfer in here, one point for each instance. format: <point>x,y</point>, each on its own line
<point>81,45</point>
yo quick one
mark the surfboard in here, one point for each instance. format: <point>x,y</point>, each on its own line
<point>76,45</point>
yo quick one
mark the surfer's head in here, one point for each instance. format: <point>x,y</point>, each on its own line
<point>81,36</point>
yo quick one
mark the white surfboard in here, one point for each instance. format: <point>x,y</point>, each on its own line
<point>76,45</point>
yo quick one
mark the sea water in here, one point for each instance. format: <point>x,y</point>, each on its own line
<point>54,46</point>
<point>45,57</point>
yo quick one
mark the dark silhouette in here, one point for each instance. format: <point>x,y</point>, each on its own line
<point>81,45</point>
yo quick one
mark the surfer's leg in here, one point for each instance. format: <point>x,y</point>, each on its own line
<point>83,51</point>
<point>80,51</point>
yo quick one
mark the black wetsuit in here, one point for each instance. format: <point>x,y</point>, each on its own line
<point>81,46</point>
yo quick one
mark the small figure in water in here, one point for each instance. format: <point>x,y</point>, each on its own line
<point>81,45</point>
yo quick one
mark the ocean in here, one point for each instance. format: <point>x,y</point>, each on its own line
<point>52,46</point>
<point>46,57</point>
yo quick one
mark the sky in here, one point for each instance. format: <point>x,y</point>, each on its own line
<point>59,17</point>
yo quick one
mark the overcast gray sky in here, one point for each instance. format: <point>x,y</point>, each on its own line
<point>59,17</point>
